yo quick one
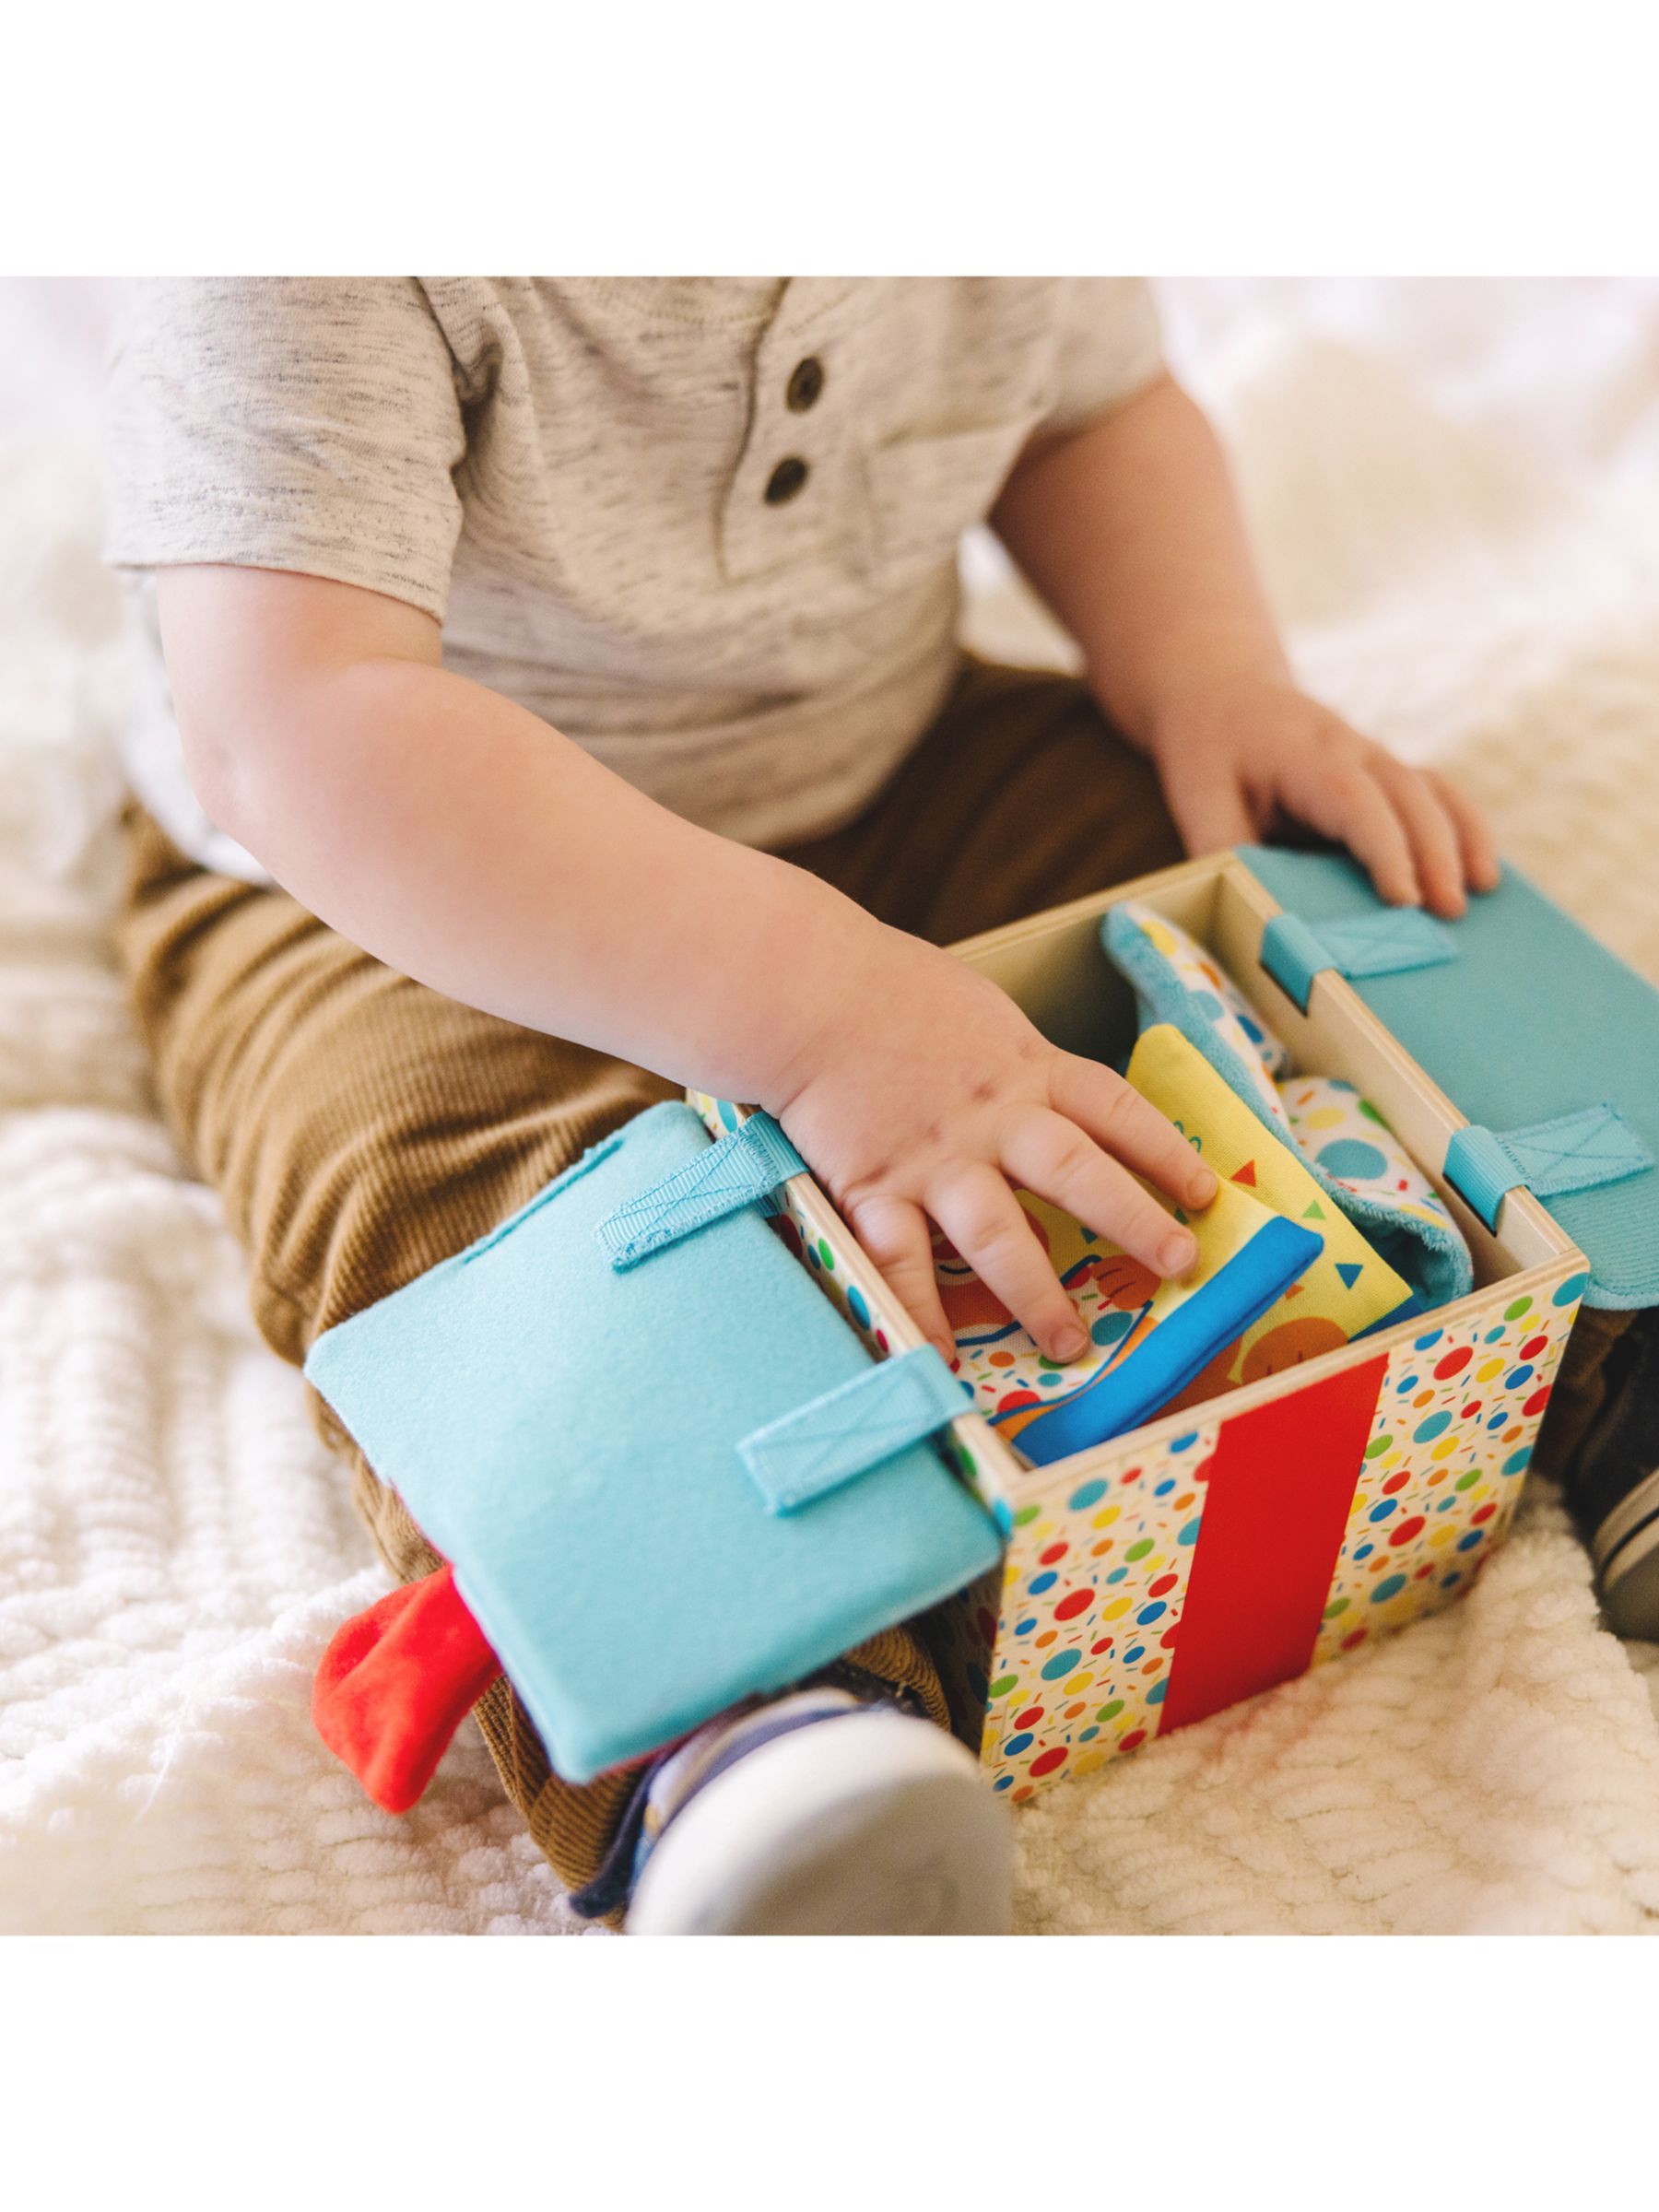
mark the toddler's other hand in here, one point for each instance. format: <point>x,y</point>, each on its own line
<point>1235,755</point>
<point>925,1093</point>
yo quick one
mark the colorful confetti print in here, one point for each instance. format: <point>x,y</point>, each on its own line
<point>1457,1418</point>
<point>1092,1591</point>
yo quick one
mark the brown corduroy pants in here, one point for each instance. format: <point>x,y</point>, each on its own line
<point>361,1129</point>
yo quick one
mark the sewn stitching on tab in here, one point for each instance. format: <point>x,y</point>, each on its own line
<point>1393,943</point>
<point>745,1165</point>
<point>1576,1151</point>
<point>851,1428</point>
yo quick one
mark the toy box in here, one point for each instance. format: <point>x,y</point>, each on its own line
<point>1153,1579</point>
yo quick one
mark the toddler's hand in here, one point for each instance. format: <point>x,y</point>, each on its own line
<point>926,1093</point>
<point>1235,754</point>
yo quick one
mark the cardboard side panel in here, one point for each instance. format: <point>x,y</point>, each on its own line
<point>1093,1588</point>
<point>1454,1430</point>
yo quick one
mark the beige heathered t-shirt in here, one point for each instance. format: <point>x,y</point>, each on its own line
<point>706,526</point>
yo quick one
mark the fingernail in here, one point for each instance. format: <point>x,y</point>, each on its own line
<point>1071,1342</point>
<point>1204,1187</point>
<point>1178,1254</point>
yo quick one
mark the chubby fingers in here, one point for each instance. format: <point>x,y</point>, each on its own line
<point>1431,833</point>
<point>1349,802</point>
<point>895,1234</point>
<point>1121,1122</point>
<point>1475,839</point>
<point>1045,1153</point>
<point>1421,842</point>
<point>974,1206</point>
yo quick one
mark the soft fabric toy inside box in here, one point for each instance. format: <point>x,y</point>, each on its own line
<point>1317,1438</point>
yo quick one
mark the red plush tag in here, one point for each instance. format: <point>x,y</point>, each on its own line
<point>396,1684</point>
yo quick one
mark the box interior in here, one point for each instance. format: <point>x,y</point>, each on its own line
<point>1057,971</point>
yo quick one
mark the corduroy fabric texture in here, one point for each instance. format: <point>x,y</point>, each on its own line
<point>360,1127</point>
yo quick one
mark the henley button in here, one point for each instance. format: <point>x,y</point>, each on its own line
<point>805,385</point>
<point>785,481</point>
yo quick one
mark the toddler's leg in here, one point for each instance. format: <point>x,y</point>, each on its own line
<point>359,1129</point>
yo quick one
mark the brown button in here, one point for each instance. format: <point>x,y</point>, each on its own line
<point>805,384</point>
<point>785,480</point>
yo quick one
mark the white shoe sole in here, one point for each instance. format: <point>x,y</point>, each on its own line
<point>869,1824</point>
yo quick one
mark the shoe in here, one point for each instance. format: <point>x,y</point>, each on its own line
<point>1624,1548</point>
<point>820,1814</point>
<point>1611,1473</point>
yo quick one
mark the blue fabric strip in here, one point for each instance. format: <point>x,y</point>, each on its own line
<point>1293,956</point>
<point>833,1439</point>
<point>1480,1171</point>
<point>1571,1152</point>
<point>745,1167</point>
<point>1123,1397</point>
<point>1391,942</point>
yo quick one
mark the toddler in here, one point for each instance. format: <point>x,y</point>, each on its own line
<point>554,698</point>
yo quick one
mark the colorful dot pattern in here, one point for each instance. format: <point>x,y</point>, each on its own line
<point>1456,1419</point>
<point>1093,1586</point>
<point>1356,1148</point>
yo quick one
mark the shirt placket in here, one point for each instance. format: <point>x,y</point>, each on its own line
<point>794,496</point>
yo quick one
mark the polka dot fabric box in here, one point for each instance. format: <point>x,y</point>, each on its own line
<point>1211,1554</point>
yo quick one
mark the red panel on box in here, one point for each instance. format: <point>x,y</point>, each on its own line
<point>1281,1481</point>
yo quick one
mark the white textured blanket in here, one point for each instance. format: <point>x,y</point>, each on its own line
<point>1457,492</point>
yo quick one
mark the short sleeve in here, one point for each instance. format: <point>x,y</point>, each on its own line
<point>300,423</point>
<point>1111,348</point>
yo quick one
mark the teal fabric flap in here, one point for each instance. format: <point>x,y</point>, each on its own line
<point>568,1436</point>
<point>1534,1021</point>
<point>851,1428</point>
<point>1392,942</point>
<point>748,1163</point>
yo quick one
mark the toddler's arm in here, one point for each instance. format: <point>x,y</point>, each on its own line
<point>1131,531</point>
<point>455,836</point>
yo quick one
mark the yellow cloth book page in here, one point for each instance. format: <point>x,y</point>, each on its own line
<point>1345,1292</point>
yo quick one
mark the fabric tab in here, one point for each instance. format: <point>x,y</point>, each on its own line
<point>834,1439</point>
<point>1572,1152</point>
<point>1293,956</point>
<point>1392,942</point>
<point>745,1166</point>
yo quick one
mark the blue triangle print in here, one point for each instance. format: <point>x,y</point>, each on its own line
<point>1349,1270</point>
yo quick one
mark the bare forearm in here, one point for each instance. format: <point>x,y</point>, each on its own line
<point>467,845</point>
<point>459,838</point>
<point>1131,531</point>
